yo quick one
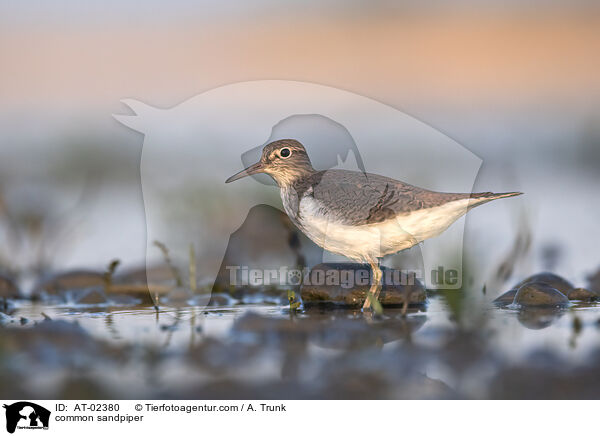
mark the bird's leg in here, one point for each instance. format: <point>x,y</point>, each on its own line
<point>375,288</point>
<point>378,278</point>
<point>406,303</point>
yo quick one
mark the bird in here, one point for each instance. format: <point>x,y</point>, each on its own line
<point>359,215</point>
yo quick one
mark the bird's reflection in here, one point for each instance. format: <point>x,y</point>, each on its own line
<point>347,330</point>
<point>344,331</point>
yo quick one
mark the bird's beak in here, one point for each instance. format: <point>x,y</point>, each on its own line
<point>252,169</point>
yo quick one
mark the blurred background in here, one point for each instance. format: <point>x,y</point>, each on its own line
<point>514,82</point>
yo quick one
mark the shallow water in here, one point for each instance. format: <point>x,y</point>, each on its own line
<point>513,333</point>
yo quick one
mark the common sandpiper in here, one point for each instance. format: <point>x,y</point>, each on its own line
<point>359,215</point>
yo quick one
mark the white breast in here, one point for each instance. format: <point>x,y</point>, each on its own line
<point>370,241</point>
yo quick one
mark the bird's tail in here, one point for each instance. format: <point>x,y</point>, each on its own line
<point>483,197</point>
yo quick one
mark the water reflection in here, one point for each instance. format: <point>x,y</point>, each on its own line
<point>539,318</point>
<point>266,351</point>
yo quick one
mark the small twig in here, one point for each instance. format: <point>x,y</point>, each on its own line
<point>108,275</point>
<point>193,284</point>
<point>165,251</point>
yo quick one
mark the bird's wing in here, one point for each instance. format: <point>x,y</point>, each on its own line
<point>356,198</point>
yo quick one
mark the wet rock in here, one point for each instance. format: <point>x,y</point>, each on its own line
<point>507,298</point>
<point>8,288</point>
<point>540,295</point>
<point>90,287</point>
<point>57,284</point>
<point>582,294</point>
<point>560,284</point>
<point>347,284</point>
<point>161,273</point>
<point>137,293</point>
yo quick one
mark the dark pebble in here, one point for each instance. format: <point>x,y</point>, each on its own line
<point>347,284</point>
<point>540,295</point>
<point>552,280</point>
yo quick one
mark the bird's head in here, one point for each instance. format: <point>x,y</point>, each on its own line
<point>285,160</point>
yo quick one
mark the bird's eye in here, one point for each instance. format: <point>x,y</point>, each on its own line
<point>285,153</point>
